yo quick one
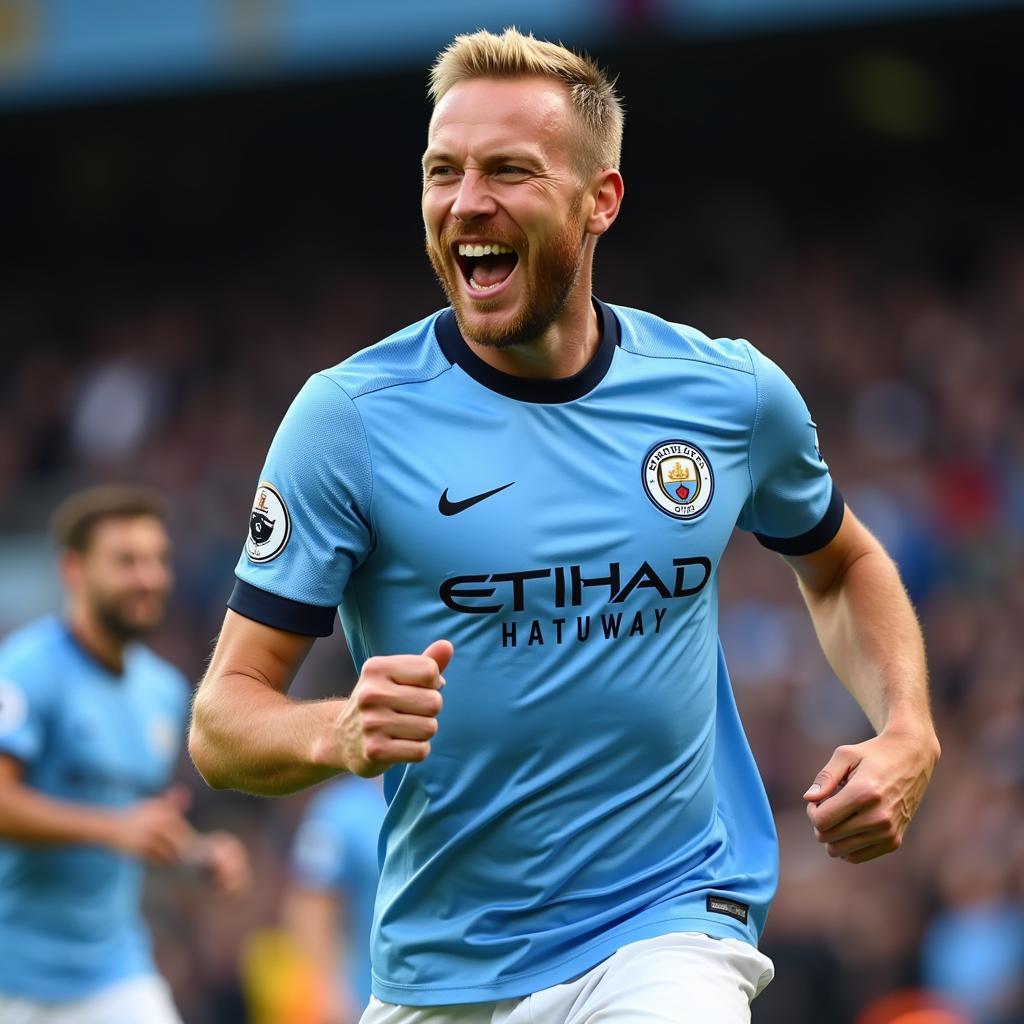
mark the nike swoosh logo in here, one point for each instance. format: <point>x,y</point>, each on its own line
<point>453,508</point>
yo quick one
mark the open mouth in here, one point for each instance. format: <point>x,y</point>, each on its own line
<point>485,266</point>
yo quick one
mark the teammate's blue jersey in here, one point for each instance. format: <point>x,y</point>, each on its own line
<point>590,783</point>
<point>335,849</point>
<point>70,922</point>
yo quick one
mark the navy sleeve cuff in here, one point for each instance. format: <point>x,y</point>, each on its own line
<point>281,612</point>
<point>815,538</point>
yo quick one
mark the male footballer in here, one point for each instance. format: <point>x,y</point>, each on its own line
<point>91,723</point>
<point>519,505</point>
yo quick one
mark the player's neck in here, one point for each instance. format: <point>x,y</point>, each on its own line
<point>563,350</point>
<point>96,641</point>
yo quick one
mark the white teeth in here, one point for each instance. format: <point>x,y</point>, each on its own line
<point>491,249</point>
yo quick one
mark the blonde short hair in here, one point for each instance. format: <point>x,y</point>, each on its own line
<point>514,55</point>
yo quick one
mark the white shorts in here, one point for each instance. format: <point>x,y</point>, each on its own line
<point>680,978</point>
<point>145,999</point>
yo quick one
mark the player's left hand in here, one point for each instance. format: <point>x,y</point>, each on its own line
<point>223,857</point>
<point>861,802</point>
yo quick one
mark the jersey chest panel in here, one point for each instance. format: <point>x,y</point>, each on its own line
<point>489,511</point>
<point>106,743</point>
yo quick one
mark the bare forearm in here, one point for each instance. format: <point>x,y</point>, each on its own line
<point>29,817</point>
<point>870,635</point>
<point>863,799</point>
<point>247,736</point>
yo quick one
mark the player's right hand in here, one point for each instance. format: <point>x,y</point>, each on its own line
<point>391,716</point>
<point>155,830</point>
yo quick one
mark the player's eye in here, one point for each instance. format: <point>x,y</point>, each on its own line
<point>440,171</point>
<point>512,171</point>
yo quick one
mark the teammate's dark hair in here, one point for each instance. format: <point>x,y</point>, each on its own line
<point>76,517</point>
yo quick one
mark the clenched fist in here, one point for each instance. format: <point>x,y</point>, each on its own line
<point>861,802</point>
<point>391,716</point>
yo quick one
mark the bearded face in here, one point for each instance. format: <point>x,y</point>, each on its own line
<point>124,577</point>
<point>129,615</point>
<point>546,272</point>
<point>504,206</point>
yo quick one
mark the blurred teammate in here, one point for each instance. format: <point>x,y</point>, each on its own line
<point>90,729</point>
<point>549,481</point>
<point>328,907</point>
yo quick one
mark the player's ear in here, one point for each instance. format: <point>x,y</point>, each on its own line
<point>71,568</point>
<point>604,197</point>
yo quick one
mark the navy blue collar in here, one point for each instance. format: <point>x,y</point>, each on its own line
<point>531,389</point>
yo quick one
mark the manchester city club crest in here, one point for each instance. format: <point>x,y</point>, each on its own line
<point>678,479</point>
<point>162,736</point>
<point>269,525</point>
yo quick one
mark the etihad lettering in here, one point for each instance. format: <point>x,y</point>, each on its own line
<point>570,586</point>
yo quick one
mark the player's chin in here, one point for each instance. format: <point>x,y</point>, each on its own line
<point>492,328</point>
<point>490,318</point>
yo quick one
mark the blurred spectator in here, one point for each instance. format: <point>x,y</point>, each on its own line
<point>328,906</point>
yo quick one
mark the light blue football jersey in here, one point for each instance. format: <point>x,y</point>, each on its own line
<point>70,922</point>
<point>590,784</point>
<point>335,849</point>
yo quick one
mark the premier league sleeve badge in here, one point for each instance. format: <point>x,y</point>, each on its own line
<point>269,525</point>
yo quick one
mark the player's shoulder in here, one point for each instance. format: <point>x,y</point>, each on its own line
<point>34,646</point>
<point>408,356</point>
<point>650,336</point>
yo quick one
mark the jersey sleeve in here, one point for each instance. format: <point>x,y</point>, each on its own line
<point>25,697</point>
<point>309,527</point>
<point>794,506</point>
<point>319,857</point>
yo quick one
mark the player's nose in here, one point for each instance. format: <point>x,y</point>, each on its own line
<point>474,198</point>
<point>152,575</point>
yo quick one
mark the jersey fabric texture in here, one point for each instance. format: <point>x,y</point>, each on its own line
<point>70,921</point>
<point>335,849</point>
<point>590,784</point>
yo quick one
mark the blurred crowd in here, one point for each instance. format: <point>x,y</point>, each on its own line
<point>913,365</point>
